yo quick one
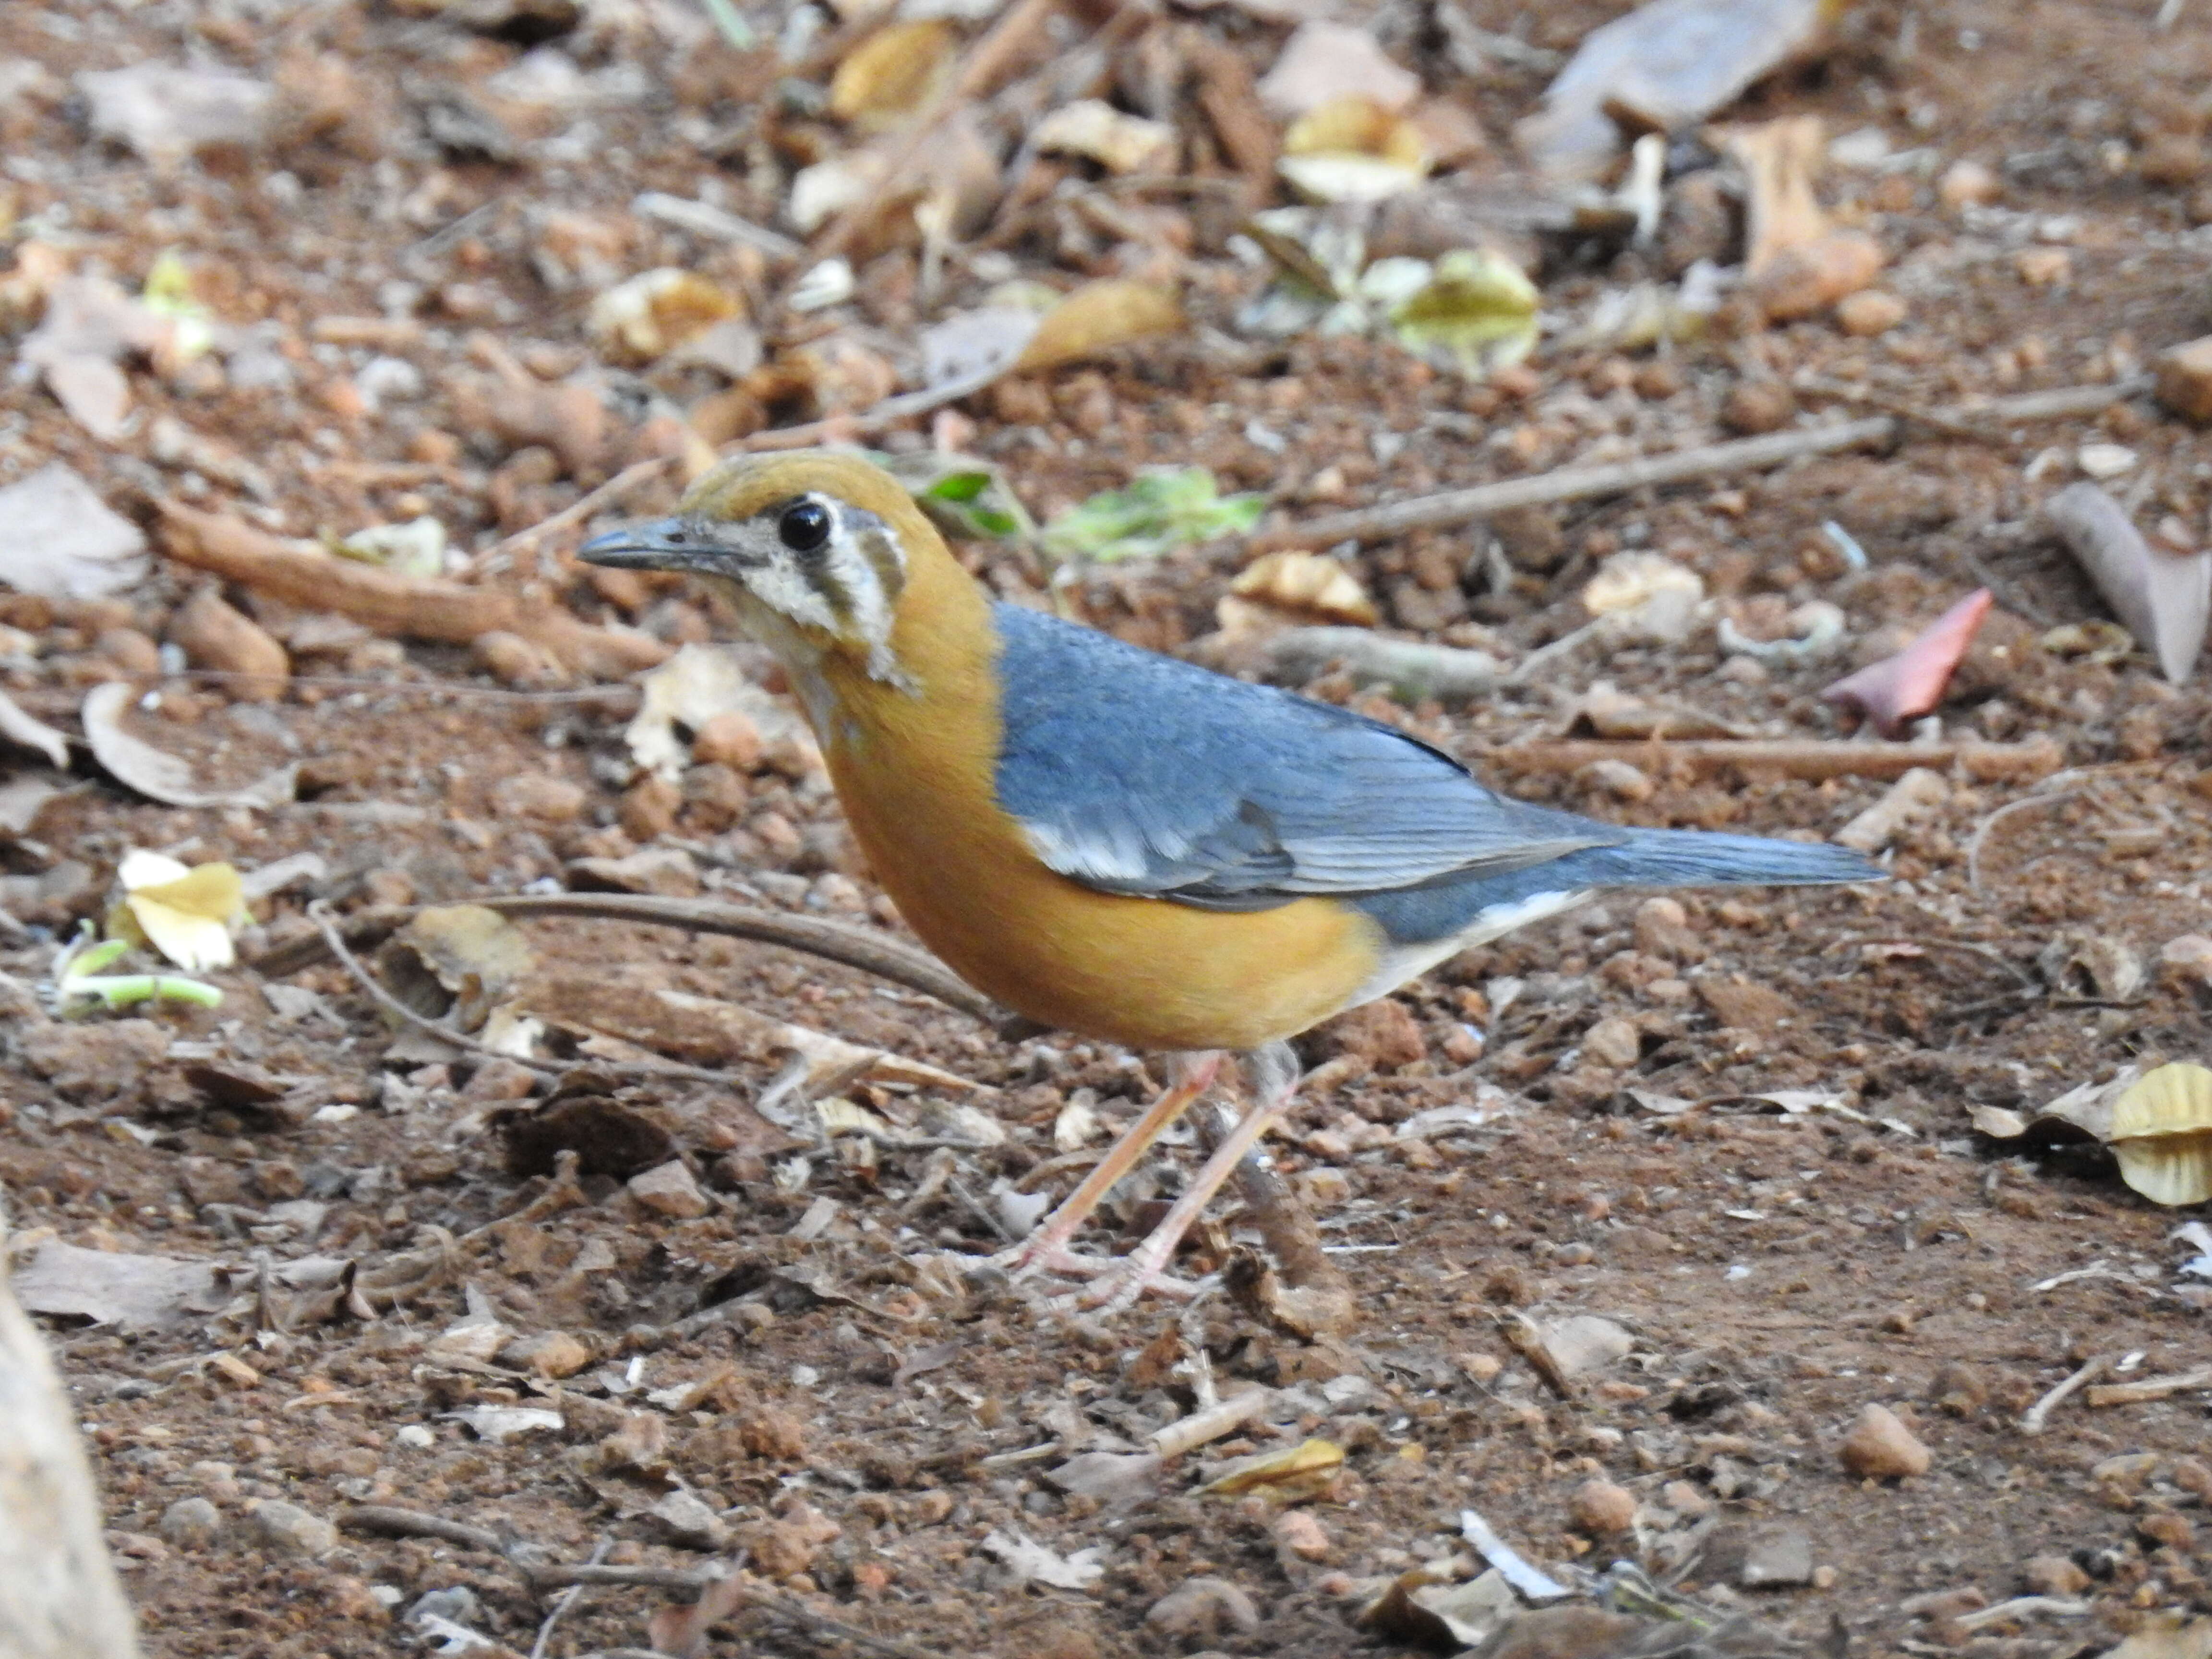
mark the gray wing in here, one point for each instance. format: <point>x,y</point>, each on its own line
<point>1133,773</point>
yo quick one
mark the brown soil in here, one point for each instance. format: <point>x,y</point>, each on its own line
<point>1779,1273</point>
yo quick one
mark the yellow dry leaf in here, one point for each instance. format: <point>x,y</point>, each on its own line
<point>1305,1470</point>
<point>1117,141</point>
<point>1096,316</point>
<point>1354,149</point>
<point>1308,584</point>
<point>650,315</point>
<point>889,78</point>
<point>2162,1134</point>
<point>1780,160</point>
<point>187,915</point>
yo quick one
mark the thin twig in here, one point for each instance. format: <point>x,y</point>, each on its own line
<point>319,913</point>
<point>384,1521</point>
<point>843,429</point>
<point>1810,758</point>
<point>1967,947</point>
<point>568,1598</point>
<point>865,948</point>
<point>2039,1413</point>
<point>612,492</point>
<point>1453,507</point>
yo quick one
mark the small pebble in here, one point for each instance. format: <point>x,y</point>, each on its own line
<point>2184,380</point>
<point>1600,1508</point>
<point>1967,183</point>
<point>1880,1448</point>
<point>731,739</point>
<point>191,1523</point>
<point>670,1190</point>
<point>1614,1042</point>
<point>287,1529</point>
<point>1201,1609</point>
<point>2168,1529</point>
<point>1760,405</point>
<point>220,639</point>
<point>2043,267</point>
<point>1869,312</point>
<point>536,795</point>
<point>2053,1575</point>
<point>1297,1531</point>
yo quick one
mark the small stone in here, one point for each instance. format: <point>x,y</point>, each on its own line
<point>513,660</point>
<point>1760,405</point>
<point>1869,312</point>
<point>456,1604</point>
<point>1614,1042</point>
<point>1880,1448</point>
<point>1825,1576</point>
<point>729,738</point>
<point>2193,1477</point>
<point>2164,1526</point>
<point>670,1191</point>
<point>649,808</point>
<point>1743,1006</point>
<point>1664,930</point>
<point>2184,380</point>
<point>500,1079</point>
<point>129,650</point>
<point>2172,158</point>
<point>1600,1508</point>
<point>1619,780</point>
<point>782,1548</point>
<point>2053,1575</point>
<point>1201,1608</point>
<point>2130,1471</point>
<point>549,1353</point>
<point>668,871</point>
<point>287,1529</point>
<point>220,639</point>
<point>191,1523</point>
<point>1967,183</point>
<point>769,1433</point>
<point>1775,1558</point>
<point>1299,1533</point>
<point>1685,1499</point>
<point>535,795</point>
<point>683,1519</point>
<point>1805,280</point>
<point>1958,1389</point>
<point>2043,267</point>
<point>1383,1033</point>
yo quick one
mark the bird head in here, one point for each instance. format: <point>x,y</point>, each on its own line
<point>814,549</point>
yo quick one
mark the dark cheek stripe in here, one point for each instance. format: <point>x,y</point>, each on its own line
<point>882,555</point>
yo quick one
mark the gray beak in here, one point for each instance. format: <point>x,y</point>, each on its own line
<point>657,544</point>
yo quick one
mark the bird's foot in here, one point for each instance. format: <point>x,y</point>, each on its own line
<point>1124,1280</point>
<point>1039,1255</point>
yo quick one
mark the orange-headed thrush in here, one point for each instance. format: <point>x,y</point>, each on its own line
<point>1119,844</point>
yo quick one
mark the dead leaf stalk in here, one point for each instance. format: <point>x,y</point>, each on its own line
<point>2038,1416</point>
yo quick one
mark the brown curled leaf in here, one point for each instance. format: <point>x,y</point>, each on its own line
<point>1899,689</point>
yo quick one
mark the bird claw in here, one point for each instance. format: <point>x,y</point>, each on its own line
<point>1115,1283</point>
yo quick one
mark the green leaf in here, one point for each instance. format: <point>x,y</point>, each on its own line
<point>959,487</point>
<point>1163,509</point>
<point>1477,314</point>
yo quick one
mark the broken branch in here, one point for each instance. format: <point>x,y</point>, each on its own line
<point>1810,759</point>
<point>1457,506</point>
<point>391,604</point>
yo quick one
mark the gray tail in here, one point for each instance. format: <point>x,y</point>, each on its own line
<point>1697,858</point>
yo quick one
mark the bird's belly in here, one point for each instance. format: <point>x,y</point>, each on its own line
<point>1145,972</point>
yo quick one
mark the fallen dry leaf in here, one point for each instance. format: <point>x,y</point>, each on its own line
<point>158,775</point>
<point>31,732</point>
<point>58,539</point>
<point>459,959</point>
<point>1296,1472</point>
<point>1324,61</point>
<point>135,1293</point>
<point>1120,142</point>
<point>689,690</point>
<point>1100,314</point>
<point>650,315</point>
<point>891,77</point>
<point>2164,599</point>
<point>1898,691</point>
<point>1030,1561</point>
<point>1306,587</point>
<point>187,915</point>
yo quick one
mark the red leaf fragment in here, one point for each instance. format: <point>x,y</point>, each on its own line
<point>1899,689</point>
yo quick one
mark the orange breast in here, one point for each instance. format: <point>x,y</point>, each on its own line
<point>914,771</point>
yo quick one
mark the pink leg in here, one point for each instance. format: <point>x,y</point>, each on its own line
<point>1271,1075</point>
<point>1189,1076</point>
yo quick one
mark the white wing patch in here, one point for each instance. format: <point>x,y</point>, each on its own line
<point>1403,962</point>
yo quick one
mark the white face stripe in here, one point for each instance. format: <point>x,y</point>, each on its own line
<point>849,586</point>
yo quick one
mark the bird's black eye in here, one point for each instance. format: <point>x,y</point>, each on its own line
<point>805,526</point>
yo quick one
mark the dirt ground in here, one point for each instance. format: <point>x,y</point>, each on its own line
<point>802,1361</point>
